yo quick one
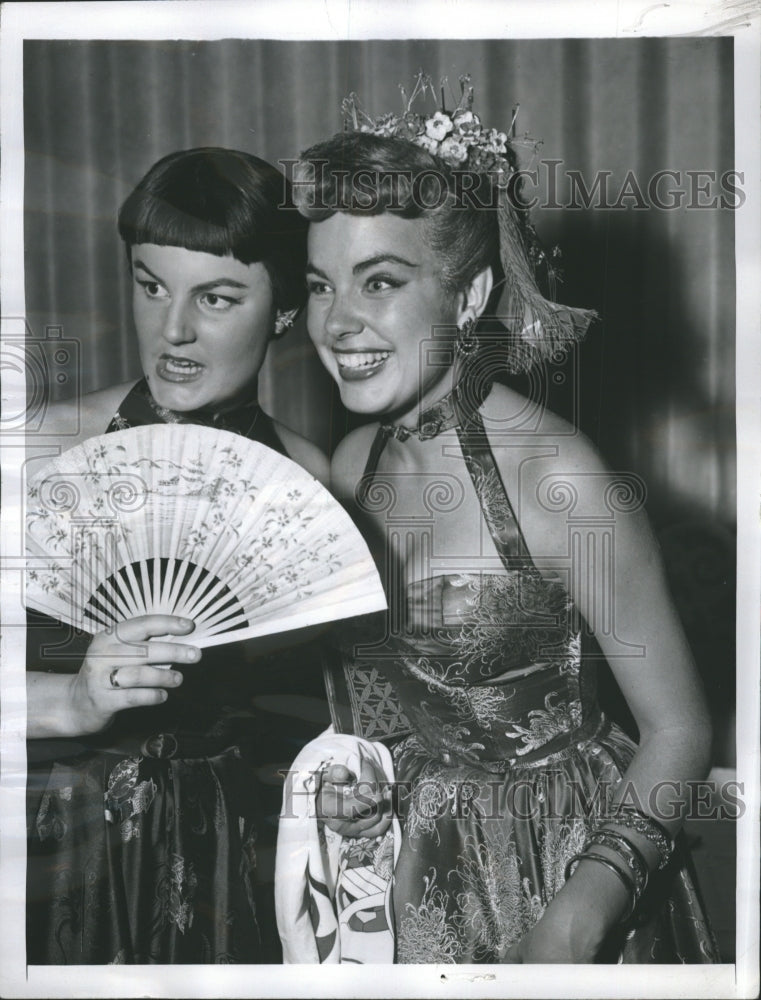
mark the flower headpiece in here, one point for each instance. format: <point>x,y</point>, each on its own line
<point>457,137</point>
<point>460,140</point>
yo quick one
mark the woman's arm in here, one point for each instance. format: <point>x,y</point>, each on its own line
<point>624,598</point>
<point>122,669</point>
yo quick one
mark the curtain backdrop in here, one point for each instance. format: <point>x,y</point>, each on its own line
<point>656,386</point>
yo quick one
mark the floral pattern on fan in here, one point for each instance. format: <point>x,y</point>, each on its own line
<point>194,521</point>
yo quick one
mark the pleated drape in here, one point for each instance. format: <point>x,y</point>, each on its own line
<point>655,386</point>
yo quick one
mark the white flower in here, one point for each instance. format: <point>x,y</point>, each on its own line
<point>438,126</point>
<point>454,149</point>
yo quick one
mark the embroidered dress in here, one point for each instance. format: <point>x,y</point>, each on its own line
<point>502,754</point>
<point>153,842</point>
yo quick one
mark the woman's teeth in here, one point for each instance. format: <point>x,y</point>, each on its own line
<point>182,366</point>
<point>362,360</point>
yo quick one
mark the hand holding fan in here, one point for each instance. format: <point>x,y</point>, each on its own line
<point>192,521</point>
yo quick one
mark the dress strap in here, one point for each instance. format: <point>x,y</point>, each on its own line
<point>492,496</point>
<point>382,435</point>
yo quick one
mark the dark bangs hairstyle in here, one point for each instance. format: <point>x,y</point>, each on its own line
<point>364,174</point>
<point>224,202</point>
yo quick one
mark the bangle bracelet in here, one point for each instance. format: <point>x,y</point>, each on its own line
<point>627,852</point>
<point>633,819</point>
<point>629,810</point>
<point>625,881</point>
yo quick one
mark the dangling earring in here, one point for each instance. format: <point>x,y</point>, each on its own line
<point>467,342</point>
<point>284,321</point>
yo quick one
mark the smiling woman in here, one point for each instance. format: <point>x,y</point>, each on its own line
<point>368,302</point>
<point>533,828</point>
<point>143,808</point>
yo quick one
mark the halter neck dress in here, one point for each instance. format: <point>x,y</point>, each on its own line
<point>502,753</point>
<point>153,841</point>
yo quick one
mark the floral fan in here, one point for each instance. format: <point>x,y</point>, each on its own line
<point>191,521</point>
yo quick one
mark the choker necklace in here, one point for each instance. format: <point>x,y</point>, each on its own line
<point>445,413</point>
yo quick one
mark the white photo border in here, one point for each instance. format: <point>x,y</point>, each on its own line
<point>352,20</point>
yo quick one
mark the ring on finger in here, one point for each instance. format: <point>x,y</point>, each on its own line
<point>112,678</point>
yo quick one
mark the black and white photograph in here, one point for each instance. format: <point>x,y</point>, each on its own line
<point>380,547</point>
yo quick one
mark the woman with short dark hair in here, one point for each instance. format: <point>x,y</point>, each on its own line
<point>143,833</point>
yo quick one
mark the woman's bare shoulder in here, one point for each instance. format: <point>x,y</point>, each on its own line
<point>304,452</point>
<point>83,417</point>
<point>555,475</point>
<point>512,419</point>
<point>349,460</point>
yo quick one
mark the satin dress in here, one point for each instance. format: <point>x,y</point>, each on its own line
<point>503,756</point>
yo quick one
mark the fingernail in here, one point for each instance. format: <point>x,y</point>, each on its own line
<point>186,622</point>
<point>176,677</point>
<point>192,654</point>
